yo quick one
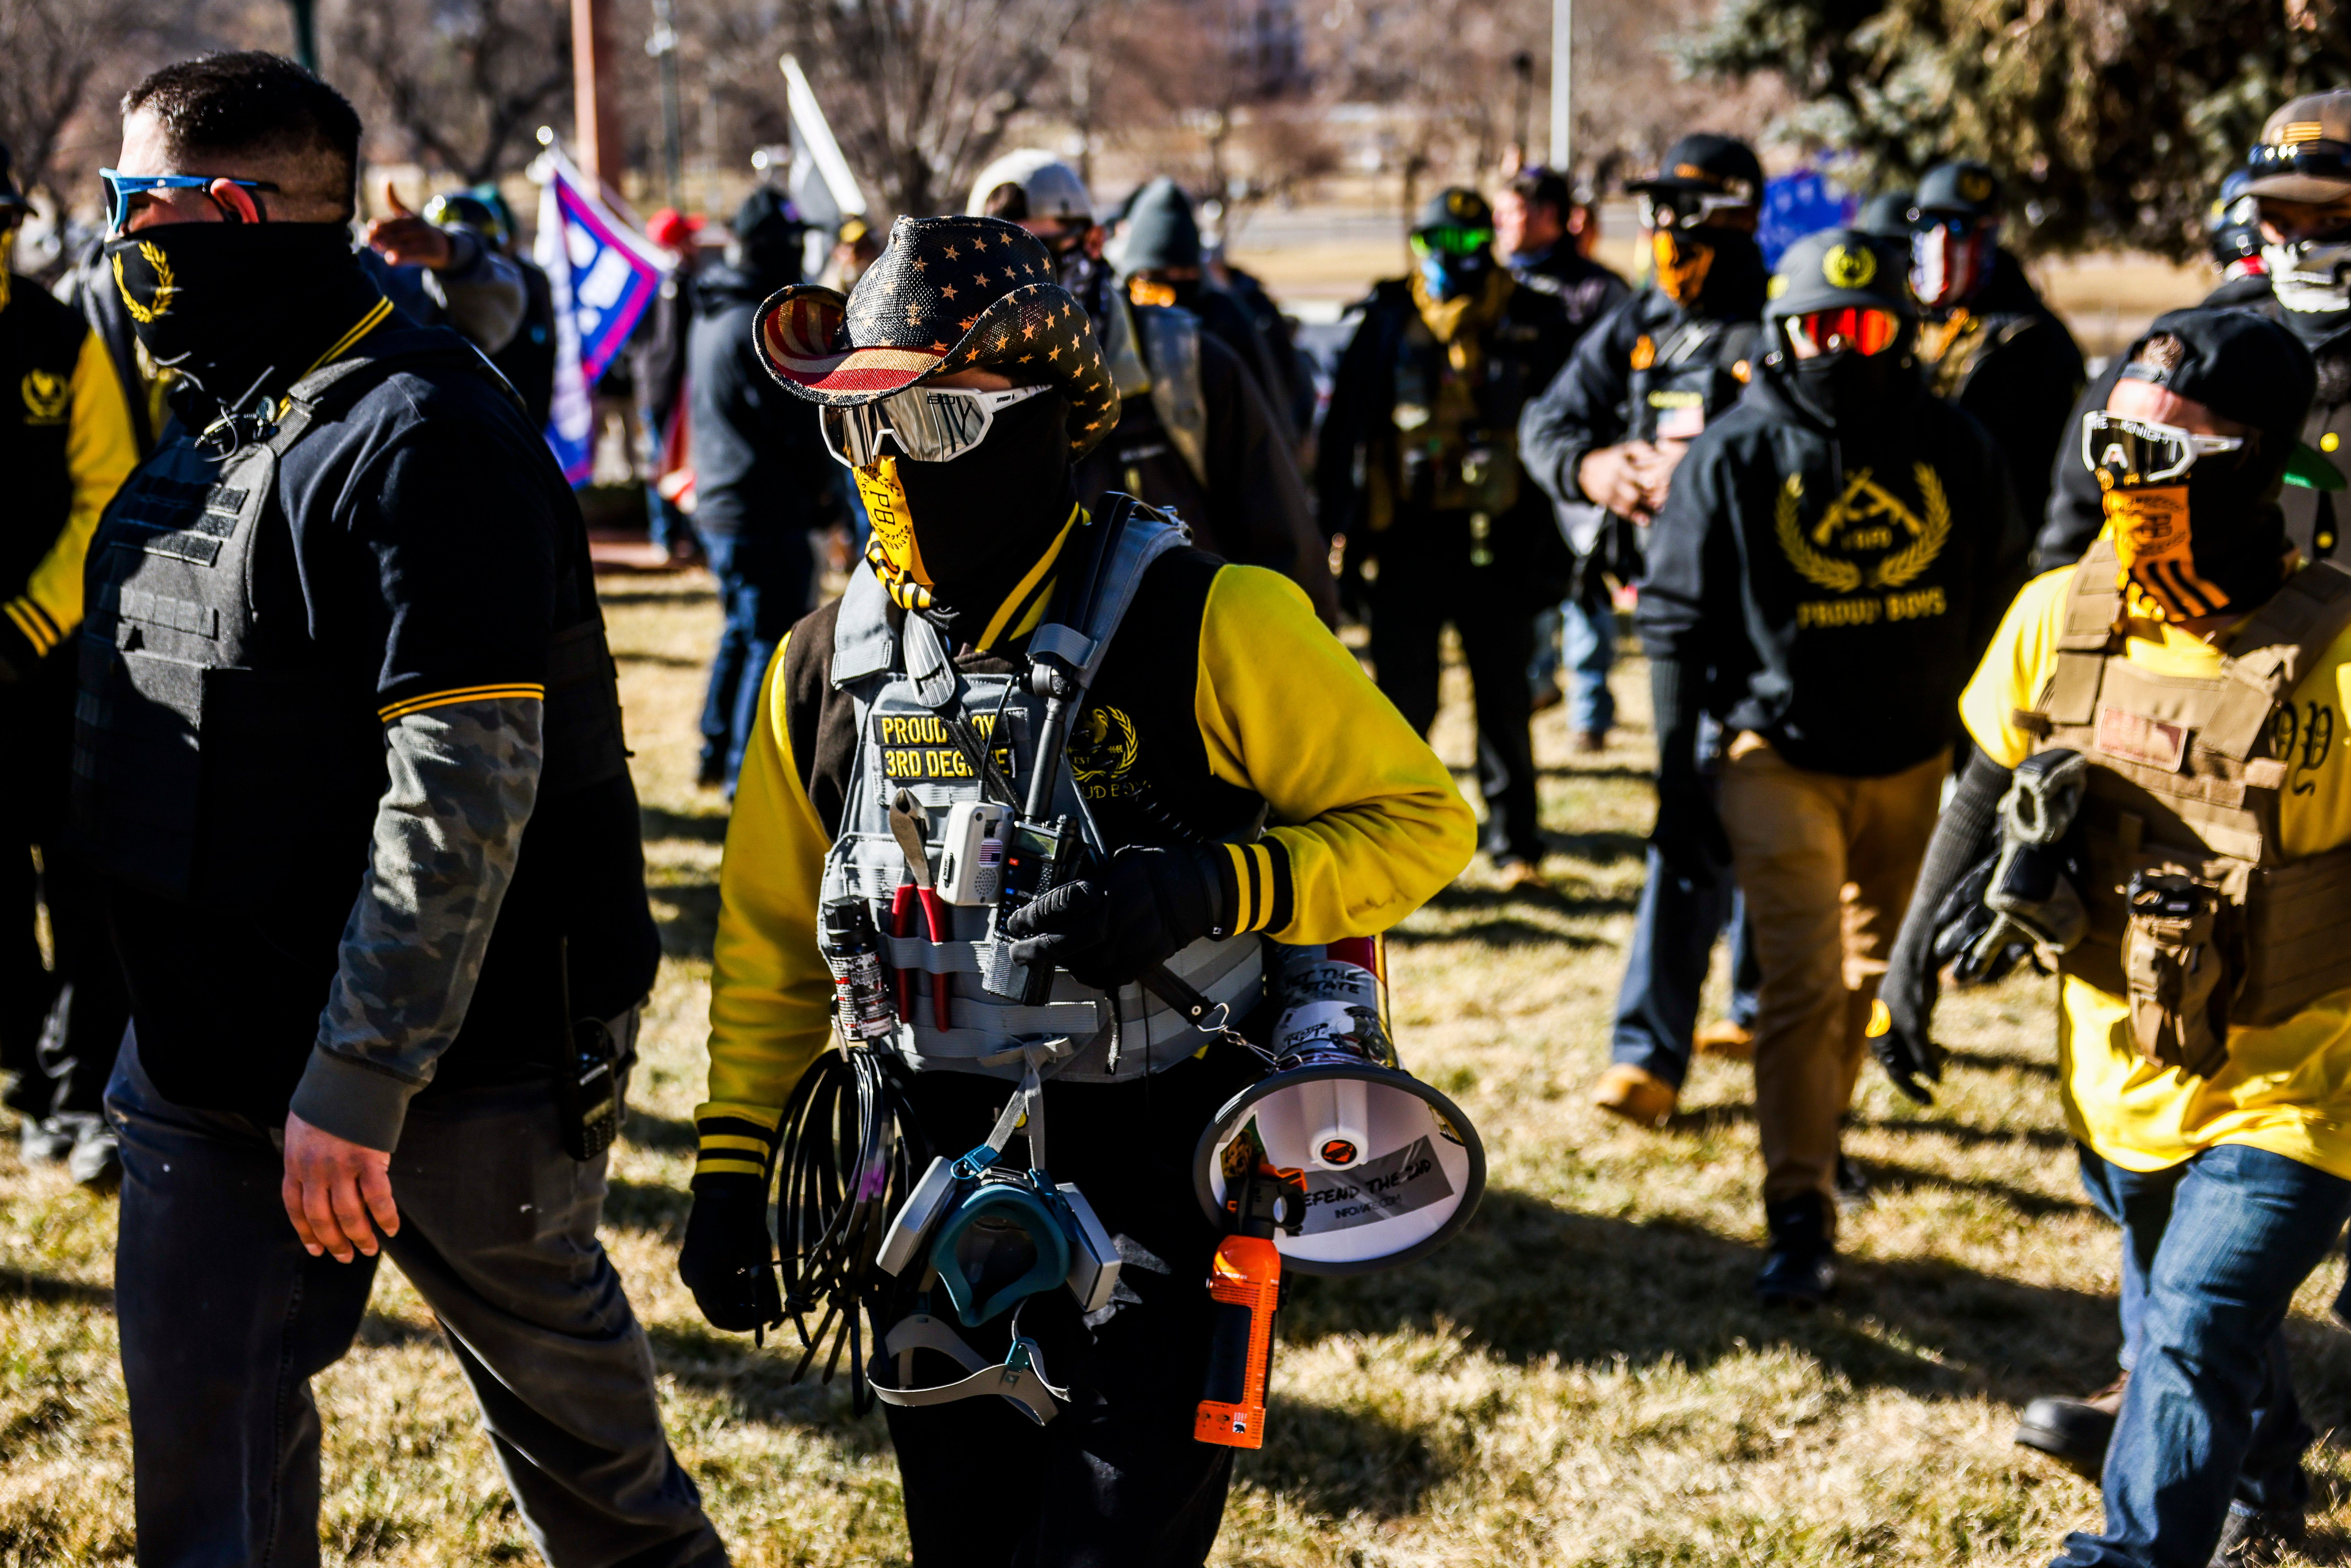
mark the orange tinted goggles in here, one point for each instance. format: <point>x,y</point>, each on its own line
<point>1831,332</point>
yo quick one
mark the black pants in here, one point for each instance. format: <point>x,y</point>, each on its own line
<point>226,1318</point>
<point>59,1027</point>
<point>1116,1481</point>
<point>1409,612</point>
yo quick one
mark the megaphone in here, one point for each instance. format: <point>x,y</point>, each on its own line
<point>1391,1167</point>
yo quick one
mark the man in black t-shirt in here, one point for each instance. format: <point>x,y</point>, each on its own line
<point>348,756</point>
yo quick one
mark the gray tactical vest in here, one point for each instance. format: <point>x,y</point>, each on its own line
<point>902,679</point>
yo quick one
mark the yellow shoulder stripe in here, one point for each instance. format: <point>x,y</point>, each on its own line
<point>461,695</point>
<point>34,623</point>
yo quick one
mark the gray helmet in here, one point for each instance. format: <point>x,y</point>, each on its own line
<point>1837,267</point>
<point>1051,188</point>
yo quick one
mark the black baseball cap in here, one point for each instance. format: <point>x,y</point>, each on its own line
<point>1959,189</point>
<point>1454,207</point>
<point>2247,368</point>
<point>1839,268</point>
<point>1887,217</point>
<point>1707,164</point>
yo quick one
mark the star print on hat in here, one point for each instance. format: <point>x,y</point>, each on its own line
<point>949,294</point>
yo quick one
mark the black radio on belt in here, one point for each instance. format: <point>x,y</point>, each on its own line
<point>1040,856</point>
<point>587,1075</point>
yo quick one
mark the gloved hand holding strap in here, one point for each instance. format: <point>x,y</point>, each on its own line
<point>1900,1024</point>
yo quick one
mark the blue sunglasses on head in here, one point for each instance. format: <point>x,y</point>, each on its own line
<point>120,187</point>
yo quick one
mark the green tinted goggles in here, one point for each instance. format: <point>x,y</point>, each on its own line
<point>1451,240</point>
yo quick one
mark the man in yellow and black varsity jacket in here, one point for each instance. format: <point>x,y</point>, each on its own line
<point>1241,775</point>
<point>65,444</point>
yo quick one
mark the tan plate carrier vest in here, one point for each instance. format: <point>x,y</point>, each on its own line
<point>2184,781</point>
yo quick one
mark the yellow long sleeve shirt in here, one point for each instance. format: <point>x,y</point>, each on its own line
<point>66,420</point>
<point>1220,688</point>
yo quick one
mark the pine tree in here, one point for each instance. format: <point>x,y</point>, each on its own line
<point>2114,120</point>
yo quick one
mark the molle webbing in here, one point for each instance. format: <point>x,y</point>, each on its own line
<point>2182,784</point>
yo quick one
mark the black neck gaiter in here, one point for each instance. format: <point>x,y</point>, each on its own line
<point>236,308</point>
<point>979,522</point>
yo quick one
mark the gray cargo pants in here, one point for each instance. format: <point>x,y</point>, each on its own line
<point>225,1319</point>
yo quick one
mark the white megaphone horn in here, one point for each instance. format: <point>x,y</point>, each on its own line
<point>1391,1167</point>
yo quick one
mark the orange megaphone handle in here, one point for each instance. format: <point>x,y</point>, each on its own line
<point>1245,1284</point>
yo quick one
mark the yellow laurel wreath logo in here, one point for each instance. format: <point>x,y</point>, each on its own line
<point>46,397</point>
<point>165,287</point>
<point>1105,746</point>
<point>1849,267</point>
<point>1975,185</point>
<point>1865,506</point>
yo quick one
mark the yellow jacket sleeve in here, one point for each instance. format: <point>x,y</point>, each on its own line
<point>1367,823</point>
<point>770,990</point>
<point>100,453</point>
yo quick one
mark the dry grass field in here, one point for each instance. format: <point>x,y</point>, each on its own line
<point>1581,1379</point>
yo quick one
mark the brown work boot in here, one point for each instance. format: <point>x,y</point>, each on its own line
<point>1634,1094</point>
<point>1732,1042</point>
<point>1522,876</point>
<point>2074,1432</point>
<point>1590,742</point>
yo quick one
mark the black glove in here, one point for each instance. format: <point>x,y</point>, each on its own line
<point>1949,892</point>
<point>1117,922</point>
<point>1689,836</point>
<point>727,1259</point>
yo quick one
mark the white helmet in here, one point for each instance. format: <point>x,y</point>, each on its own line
<point>1054,188</point>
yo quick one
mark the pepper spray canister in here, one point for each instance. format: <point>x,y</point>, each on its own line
<point>860,988</point>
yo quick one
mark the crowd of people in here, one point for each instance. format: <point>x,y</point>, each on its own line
<point>1959,658</point>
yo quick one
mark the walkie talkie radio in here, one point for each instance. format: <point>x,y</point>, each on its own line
<point>587,1073</point>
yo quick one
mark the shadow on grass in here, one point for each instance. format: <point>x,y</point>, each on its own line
<point>43,1289</point>
<point>1887,1176</point>
<point>663,1135</point>
<point>660,661</point>
<point>653,1206</point>
<point>758,1382</point>
<point>684,596</point>
<point>687,914</point>
<point>1606,847</point>
<point>1984,1061</point>
<point>2051,1138</point>
<point>1598,773</point>
<point>697,827</point>
<point>1341,1461</point>
<point>1528,1280</point>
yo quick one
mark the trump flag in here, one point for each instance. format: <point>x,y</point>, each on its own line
<point>602,274</point>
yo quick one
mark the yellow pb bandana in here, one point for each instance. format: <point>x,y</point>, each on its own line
<point>893,553</point>
<point>1681,266</point>
<point>2158,578</point>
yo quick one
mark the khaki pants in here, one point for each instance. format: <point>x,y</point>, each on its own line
<point>1826,864</point>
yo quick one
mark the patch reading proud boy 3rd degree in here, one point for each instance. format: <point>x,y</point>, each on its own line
<point>1377,1189</point>
<point>916,748</point>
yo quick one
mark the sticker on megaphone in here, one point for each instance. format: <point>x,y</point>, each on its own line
<point>1408,1177</point>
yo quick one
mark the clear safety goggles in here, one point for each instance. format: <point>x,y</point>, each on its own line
<point>2142,452</point>
<point>931,425</point>
<point>1686,209</point>
<point>1863,330</point>
<point>120,187</point>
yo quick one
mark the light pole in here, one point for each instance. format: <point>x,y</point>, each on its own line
<point>663,47</point>
<point>1562,72</point>
<point>305,34</point>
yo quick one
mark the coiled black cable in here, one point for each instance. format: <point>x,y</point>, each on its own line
<point>851,1150</point>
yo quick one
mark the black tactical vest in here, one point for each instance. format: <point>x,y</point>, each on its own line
<point>221,756</point>
<point>1686,375</point>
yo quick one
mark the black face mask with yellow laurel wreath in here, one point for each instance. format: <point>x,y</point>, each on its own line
<point>225,305</point>
<point>953,541</point>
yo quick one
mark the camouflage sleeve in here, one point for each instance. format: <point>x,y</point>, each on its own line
<point>463,779</point>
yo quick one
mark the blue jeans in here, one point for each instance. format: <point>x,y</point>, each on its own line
<point>1590,632</point>
<point>1674,929</point>
<point>763,588</point>
<point>2214,1250</point>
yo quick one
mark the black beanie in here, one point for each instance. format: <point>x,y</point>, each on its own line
<point>1160,229</point>
<point>2243,367</point>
